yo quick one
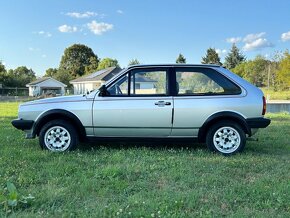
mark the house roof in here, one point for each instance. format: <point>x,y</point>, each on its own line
<point>104,74</point>
<point>43,79</point>
<point>142,79</point>
<point>39,80</point>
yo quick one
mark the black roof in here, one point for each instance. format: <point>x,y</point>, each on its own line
<point>104,74</point>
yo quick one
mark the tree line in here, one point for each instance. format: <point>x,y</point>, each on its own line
<point>79,60</point>
<point>18,77</point>
<point>260,71</point>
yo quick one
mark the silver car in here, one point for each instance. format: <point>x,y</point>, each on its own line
<point>203,102</point>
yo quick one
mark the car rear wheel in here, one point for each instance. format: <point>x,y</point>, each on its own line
<point>226,137</point>
<point>58,136</point>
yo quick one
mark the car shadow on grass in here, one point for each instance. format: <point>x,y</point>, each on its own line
<point>157,144</point>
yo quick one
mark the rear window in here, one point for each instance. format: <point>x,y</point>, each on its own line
<point>204,81</point>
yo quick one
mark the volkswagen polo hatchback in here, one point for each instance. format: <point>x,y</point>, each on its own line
<point>203,102</point>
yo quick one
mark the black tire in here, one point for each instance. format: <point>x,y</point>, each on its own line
<point>62,135</point>
<point>226,137</point>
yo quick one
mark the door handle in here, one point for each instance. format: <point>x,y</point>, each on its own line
<point>162,103</point>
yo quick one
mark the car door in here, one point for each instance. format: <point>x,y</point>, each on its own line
<point>137,105</point>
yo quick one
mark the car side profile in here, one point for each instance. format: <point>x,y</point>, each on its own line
<point>175,101</point>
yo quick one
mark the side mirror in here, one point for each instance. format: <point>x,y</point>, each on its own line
<point>103,91</point>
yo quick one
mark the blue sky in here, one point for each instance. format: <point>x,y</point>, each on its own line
<point>35,33</point>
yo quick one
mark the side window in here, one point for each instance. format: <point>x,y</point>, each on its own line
<point>120,87</point>
<point>203,81</point>
<point>148,82</point>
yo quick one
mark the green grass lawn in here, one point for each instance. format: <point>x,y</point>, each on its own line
<point>278,95</point>
<point>148,181</point>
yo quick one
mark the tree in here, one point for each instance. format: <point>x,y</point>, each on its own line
<point>59,74</point>
<point>107,62</point>
<point>19,77</point>
<point>93,65</point>
<point>76,58</point>
<point>272,71</point>
<point>234,58</point>
<point>133,62</point>
<point>180,59</point>
<point>64,77</point>
<point>50,72</point>
<point>211,57</point>
<point>2,67</point>
<point>3,74</point>
<point>255,71</point>
<point>283,72</point>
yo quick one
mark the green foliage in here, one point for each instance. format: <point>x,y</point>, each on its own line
<point>76,58</point>
<point>180,59</point>
<point>2,67</point>
<point>93,66</point>
<point>240,69</point>
<point>273,94</point>
<point>64,77</point>
<point>59,74</point>
<point>211,57</point>
<point>107,62</point>
<point>10,198</point>
<point>198,83</point>
<point>160,79</point>
<point>16,78</point>
<point>3,74</point>
<point>255,71</point>
<point>133,62</point>
<point>50,72</point>
<point>234,58</point>
<point>283,72</point>
<point>19,77</point>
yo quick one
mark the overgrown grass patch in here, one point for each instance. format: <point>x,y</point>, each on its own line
<point>149,181</point>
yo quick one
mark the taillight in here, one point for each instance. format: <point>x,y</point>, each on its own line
<point>264,106</point>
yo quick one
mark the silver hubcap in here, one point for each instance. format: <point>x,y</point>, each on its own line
<point>57,138</point>
<point>226,139</point>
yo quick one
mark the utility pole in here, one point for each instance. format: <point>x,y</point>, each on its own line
<point>269,76</point>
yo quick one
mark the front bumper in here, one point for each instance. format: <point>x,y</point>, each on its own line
<point>259,122</point>
<point>22,124</point>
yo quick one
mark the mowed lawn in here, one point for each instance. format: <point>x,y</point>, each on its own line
<point>148,180</point>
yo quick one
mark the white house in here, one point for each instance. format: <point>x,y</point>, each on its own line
<point>94,80</point>
<point>143,85</point>
<point>46,85</point>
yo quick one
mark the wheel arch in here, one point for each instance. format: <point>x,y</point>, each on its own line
<point>226,115</point>
<point>63,115</point>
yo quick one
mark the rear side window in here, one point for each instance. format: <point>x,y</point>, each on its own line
<point>204,81</point>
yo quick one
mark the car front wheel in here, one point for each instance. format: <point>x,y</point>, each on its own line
<point>58,136</point>
<point>226,137</point>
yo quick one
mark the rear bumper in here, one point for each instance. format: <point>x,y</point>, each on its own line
<point>258,122</point>
<point>22,124</point>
